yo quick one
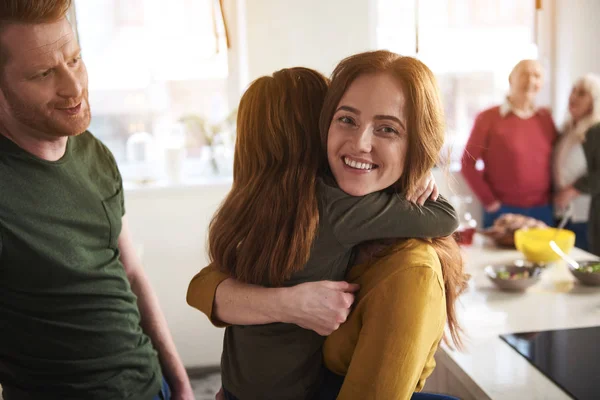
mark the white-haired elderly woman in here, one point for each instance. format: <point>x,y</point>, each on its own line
<point>577,163</point>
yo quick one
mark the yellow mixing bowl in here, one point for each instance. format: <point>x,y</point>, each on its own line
<point>534,243</point>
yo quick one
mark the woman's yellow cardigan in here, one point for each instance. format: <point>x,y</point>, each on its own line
<point>386,347</point>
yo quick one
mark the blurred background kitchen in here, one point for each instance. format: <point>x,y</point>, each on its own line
<point>166,77</point>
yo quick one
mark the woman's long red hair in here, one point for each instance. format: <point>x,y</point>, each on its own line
<point>426,129</point>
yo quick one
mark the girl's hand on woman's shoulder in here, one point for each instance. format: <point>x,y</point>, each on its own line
<point>427,188</point>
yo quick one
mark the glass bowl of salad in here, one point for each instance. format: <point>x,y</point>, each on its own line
<point>588,272</point>
<point>514,277</point>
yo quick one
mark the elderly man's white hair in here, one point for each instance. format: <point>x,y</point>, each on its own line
<point>521,64</point>
<point>591,84</point>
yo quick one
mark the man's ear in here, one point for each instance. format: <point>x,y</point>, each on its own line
<point>2,89</point>
<point>3,100</point>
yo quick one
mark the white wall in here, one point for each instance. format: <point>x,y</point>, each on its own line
<point>169,228</point>
<point>235,18</point>
<point>310,33</point>
<point>577,51</point>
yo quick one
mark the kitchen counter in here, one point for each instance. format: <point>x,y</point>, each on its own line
<point>489,368</point>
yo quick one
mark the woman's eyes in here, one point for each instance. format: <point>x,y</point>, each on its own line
<point>346,120</point>
<point>389,130</point>
<point>386,130</point>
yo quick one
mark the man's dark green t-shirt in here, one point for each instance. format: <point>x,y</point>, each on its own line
<point>69,322</point>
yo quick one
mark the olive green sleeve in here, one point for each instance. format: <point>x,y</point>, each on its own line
<point>589,183</point>
<point>383,215</point>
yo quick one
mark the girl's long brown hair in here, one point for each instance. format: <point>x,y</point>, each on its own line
<point>270,216</point>
<point>425,127</point>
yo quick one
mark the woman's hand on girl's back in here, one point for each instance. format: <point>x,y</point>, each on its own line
<point>319,306</point>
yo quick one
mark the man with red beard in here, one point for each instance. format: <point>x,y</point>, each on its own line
<point>78,318</point>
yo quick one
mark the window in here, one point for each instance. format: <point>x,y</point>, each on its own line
<point>471,46</point>
<point>158,84</point>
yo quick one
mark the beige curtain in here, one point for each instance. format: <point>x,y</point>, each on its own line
<point>220,22</point>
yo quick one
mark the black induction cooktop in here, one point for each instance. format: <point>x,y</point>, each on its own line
<point>569,357</point>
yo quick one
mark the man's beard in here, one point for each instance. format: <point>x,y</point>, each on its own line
<point>34,117</point>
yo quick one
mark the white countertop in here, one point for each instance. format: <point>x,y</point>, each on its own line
<point>556,302</point>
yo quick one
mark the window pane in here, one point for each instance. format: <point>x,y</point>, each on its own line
<point>149,66</point>
<point>471,46</point>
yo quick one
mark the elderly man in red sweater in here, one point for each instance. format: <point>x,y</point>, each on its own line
<point>514,140</point>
